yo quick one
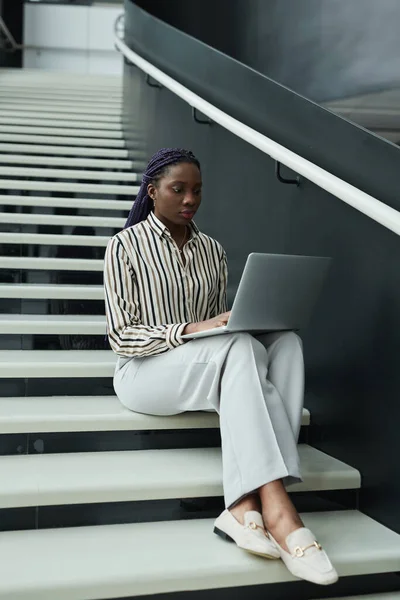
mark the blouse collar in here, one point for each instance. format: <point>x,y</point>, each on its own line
<point>161,229</point>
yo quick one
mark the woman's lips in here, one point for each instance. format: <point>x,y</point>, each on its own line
<point>188,214</point>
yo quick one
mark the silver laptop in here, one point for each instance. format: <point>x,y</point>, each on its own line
<point>277,292</point>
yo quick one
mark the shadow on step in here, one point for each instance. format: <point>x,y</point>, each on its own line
<point>112,513</point>
<point>295,590</point>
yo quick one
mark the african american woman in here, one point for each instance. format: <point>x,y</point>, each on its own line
<point>163,279</point>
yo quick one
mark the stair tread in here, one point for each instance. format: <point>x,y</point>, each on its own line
<point>153,558</point>
<point>43,290</point>
<point>58,264</point>
<point>52,202</point>
<point>61,140</point>
<point>78,478</point>
<point>33,148</point>
<point>385,596</point>
<point>93,413</point>
<point>44,129</point>
<point>32,113</point>
<point>65,186</point>
<point>24,324</point>
<point>42,219</point>
<point>62,161</point>
<point>53,239</point>
<point>62,363</point>
<point>45,172</point>
<point>59,122</point>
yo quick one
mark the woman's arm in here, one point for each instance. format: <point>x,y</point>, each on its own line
<point>126,334</point>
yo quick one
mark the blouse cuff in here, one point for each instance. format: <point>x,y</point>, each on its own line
<point>174,335</point>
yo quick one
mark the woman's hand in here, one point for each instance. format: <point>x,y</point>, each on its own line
<point>218,321</point>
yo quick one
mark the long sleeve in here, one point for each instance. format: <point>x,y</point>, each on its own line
<point>223,281</point>
<point>126,333</point>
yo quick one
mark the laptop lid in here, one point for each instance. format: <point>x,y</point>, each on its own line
<point>277,292</point>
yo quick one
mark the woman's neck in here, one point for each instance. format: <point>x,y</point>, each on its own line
<point>176,231</point>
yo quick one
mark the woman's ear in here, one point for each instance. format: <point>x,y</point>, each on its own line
<point>151,191</point>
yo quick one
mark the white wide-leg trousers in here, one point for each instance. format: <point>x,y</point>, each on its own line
<point>256,384</point>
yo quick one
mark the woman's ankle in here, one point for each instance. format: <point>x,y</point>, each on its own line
<point>281,524</point>
<point>248,503</point>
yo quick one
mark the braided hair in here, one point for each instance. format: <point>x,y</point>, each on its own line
<point>157,167</point>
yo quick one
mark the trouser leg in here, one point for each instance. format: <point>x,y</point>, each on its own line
<point>228,373</point>
<point>258,445</point>
<point>286,372</point>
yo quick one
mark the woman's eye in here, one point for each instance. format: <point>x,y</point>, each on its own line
<point>177,190</point>
<point>198,192</point>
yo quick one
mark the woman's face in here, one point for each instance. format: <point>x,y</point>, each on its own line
<point>177,195</point>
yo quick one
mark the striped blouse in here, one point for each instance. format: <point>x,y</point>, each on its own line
<point>151,294</point>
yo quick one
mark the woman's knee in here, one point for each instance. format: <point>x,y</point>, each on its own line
<point>244,342</point>
<point>291,337</point>
<point>289,341</point>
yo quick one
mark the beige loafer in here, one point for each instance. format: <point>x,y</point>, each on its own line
<point>251,536</point>
<point>306,558</point>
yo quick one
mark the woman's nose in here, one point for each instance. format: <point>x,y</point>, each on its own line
<point>190,198</point>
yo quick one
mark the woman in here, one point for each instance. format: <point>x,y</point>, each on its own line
<point>163,279</point>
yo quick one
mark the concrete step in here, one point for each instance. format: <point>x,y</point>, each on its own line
<point>13,91</point>
<point>64,107</point>
<point>386,596</point>
<point>40,78</point>
<point>62,131</point>
<point>53,240</point>
<point>40,219</point>
<point>16,324</point>
<point>173,556</point>
<point>26,138</point>
<point>78,477</point>
<point>51,292</point>
<point>66,162</point>
<point>98,120</point>
<point>33,148</point>
<point>62,123</point>
<point>53,202</point>
<point>50,264</point>
<point>62,363</point>
<point>45,173</point>
<point>45,414</point>
<point>65,97</point>
<point>65,186</point>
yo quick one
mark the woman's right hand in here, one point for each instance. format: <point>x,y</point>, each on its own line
<point>218,321</point>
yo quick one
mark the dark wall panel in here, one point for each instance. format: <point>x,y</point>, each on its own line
<point>352,345</point>
<point>323,49</point>
<point>12,13</point>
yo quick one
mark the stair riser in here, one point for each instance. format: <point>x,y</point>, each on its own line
<point>18,185</point>
<point>23,243</point>
<point>63,205</point>
<point>63,224</point>
<point>54,341</point>
<point>106,441</point>
<point>107,513</point>
<point>56,306</point>
<point>67,276</point>
<point>52,386</point>
<point>55,251</point>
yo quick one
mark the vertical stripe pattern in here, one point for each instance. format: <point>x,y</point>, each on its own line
<point>151,294</point>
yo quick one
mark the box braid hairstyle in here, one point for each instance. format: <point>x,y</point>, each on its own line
<point>157,167</point>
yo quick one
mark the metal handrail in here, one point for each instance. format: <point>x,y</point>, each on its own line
<point>364,203</point>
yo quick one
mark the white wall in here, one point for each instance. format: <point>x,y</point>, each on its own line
<point>77,39</point>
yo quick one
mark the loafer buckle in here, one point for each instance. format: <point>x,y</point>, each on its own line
<point>298,552</point>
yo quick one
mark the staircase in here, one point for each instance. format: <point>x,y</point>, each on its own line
<point>98,502</point>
